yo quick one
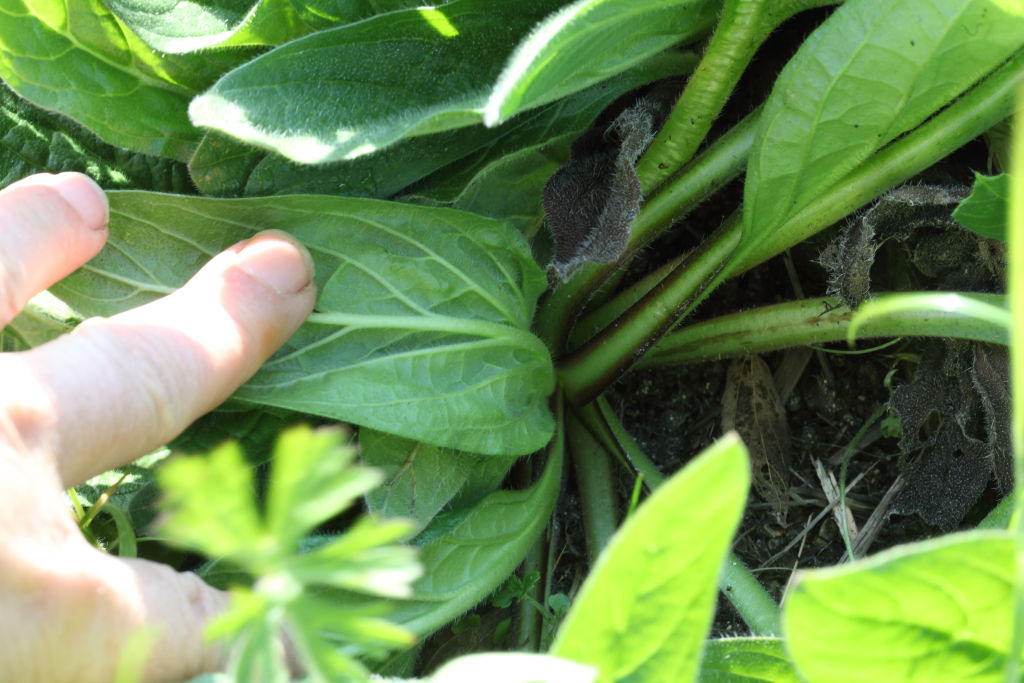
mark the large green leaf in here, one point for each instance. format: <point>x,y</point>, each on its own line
<point>190,25</point>
<point>644,611</point>
<point>348,91</point>
<point>588,41</point>
<point>746,660</point>
<point>423,318</point>
<point>420,479</point>
<point>871,72</point>
<point>450,158</point>
<point>35,141</point>
<point>985,210</point>
<point>940,610</point>
<point>472,558</point>
<point>75,57</point>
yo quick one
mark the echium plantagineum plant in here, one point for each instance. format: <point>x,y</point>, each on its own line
<point>435,160</point>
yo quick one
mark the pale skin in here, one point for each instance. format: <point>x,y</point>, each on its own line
<point>114,389</point>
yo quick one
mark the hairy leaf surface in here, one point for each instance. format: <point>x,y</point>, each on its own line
<point>871,72</point>
<point>420,479</point>
<point>940,610</point>
<point>445,161</point>
<point>746,660</point>
<point>588,41</point>
<point>645,609</point>
<point>468,561</point>
<point>75,57</point>
<point>190,25</point>
<point>422,322</point>
<point>35,141</point>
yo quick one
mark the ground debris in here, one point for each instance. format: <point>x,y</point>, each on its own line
<point>955,456</point>
<point>751,406</point>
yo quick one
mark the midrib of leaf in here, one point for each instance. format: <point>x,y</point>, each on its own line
<point>886,134</point>
<point>806,152</point>
<point>432,322</point>
<point>459,274</point>
<point>137,74</point>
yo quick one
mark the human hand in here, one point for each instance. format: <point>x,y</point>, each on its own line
<point>95,399</point>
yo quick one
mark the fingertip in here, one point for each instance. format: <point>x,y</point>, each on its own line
<point>85,196</point>
<point>278,260</point>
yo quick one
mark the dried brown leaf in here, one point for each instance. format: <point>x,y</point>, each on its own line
<point>751,406</point>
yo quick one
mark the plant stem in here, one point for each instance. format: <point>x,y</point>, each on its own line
<point>749,597</point>
<point>530,618</point>
<point>742,28</point>
<point>739,585</point>
<point>587,372</point>
<point>596,487</point>
<point>988,103</point>
<point>810,321</point>
<point>1015,293</point>
<point>719,164</point>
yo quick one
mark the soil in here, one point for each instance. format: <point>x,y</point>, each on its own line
<point>828,395</point>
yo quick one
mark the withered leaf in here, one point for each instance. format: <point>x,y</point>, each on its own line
<point>952,469</point>
<point>591,202</point>
<point>991,375</point>
<point>896,215</point>
<point>751,406</point>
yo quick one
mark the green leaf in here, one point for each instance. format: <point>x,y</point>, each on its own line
<point>75,57</point>
<point>191,25</point>
<point>311,480</point>
<point>940,610</point>
<point>978,318</point>
<point>424,314</point>
<point>360,560</point>
<point>645,609</point>
<point>871,72</point>
<point>136,491</point>
<point>588,41</point>
<point>44,318</point>
<point>345,92</point>
<point>512,667</point>
<point>756,660</point>
<point>211,502</point>
<point>36,141</point>
<point>420,479</point>
<point>985,210</point>
<point>223,167</point>
<point>464,565</point>
<point>195,25</point>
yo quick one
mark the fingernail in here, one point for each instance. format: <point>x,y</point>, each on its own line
<point>278,260</point>
<point>86,197</point>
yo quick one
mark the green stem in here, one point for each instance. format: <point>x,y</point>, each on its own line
<point>596,487</point>
<point>988,103</point>
<point>810,321</point>
<point>589,370</point>
<point>720,163</point>
<point>749,597</point>
<point>739,585</point>
<point>1015,293</point>
<point>743,27</point>
<point>530,617</point>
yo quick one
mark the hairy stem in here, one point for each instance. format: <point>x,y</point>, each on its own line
<point>739,585</point>
<point>719,164</point>
<point>743,27</point>
<point>811,321</point>
<point>587,371</point>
